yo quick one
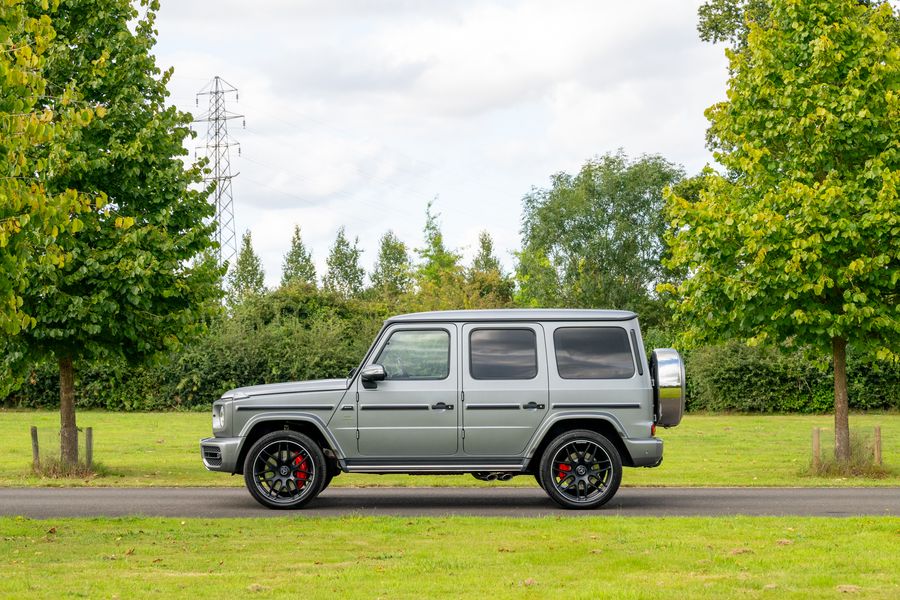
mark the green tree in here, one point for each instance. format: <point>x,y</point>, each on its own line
<point>393,271</point>
<point>729,20</point>
<point>436,261</point>
<point>595,239</point>
<point>134,281</point>
<point>800,244</point>
<point>247,277</point>
<point>298,264</point>
<point>486,273</point>
<point>31,135</point>
<point>345,275</point>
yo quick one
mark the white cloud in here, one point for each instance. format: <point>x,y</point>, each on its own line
<point>360,112</point>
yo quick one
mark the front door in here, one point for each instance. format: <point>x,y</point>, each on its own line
<point>413,412</point>
<point>505,387</point>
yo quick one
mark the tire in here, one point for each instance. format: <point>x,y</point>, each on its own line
<point>327,481</point>
<point>285,470</point>
<point>581,470</point>
<point>537,477</point>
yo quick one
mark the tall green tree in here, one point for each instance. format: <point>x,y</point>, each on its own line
<point>436,261</point>
<point>800,244</point>
<point>134,281</point>
<point>298,264</point>
<point>345,275</point>
<point>729,20</point>
<point>392,275</point>
<point>247,277</point>
<point>486,273</point>
<point>595,239</point>
<point>30,149</point>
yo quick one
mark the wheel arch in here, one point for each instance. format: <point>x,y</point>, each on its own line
<point>265,424</point>
<point>606,425</point>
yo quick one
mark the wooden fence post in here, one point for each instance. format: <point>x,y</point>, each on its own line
<point>35,451</point>
<point>89,446</point>
<point>817,448</point>
<point>878,445</point>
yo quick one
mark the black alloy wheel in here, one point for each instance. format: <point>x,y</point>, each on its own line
<point>285,469</point>
<point>581,470</point>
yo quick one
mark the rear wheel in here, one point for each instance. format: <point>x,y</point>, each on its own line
<point>285,469</point>
<point>581,470</point>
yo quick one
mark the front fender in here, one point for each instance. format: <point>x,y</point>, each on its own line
<point>294,417</point>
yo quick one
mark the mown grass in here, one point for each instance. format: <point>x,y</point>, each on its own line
<point>161,449</point>
<point>459,557</point>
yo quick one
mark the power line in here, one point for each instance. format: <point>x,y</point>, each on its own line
<point>218,144</point>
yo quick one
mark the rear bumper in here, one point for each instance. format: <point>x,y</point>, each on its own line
<point>645,453</point>
<point>220,454</point>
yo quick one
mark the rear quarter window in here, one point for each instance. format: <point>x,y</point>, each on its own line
<point>593,353</point>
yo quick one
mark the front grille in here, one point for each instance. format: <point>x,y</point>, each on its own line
<point>212,455</point>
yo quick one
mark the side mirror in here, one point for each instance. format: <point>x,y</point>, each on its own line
<point>369,375</point>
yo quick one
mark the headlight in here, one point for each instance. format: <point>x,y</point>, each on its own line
<point>218,421</point>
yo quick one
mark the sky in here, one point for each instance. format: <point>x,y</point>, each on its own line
<point>358,112</point>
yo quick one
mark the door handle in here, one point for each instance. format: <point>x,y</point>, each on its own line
<point>533,406</point>
<point>442,406</point>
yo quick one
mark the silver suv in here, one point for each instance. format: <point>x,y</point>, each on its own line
<point>567,396</point>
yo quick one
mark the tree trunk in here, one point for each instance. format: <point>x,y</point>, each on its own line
<point>841,404</point>
<point>68,432</point>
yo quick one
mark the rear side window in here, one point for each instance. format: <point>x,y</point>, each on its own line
<point>503,354</point>
<point>593,353</point>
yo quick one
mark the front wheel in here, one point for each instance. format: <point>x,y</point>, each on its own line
<point>285,469</point>
<point>581,470</point>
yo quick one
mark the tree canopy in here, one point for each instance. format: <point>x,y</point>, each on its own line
<point>298,264</point>
<point>247,277</point>
<point>393,271</point>
<point>31,147</point>
<point>345,276</point>
<point>595,239</point>
<point>486,273</point>
<point>800,243</point>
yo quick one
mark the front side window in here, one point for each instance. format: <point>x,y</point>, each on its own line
<point>416,354</point>
<point>503,354</point>
<point>593,353</point>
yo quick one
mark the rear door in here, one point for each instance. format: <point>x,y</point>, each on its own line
<point>505,386</point>
<point>413,412</point>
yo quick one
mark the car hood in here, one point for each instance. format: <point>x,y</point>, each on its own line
<point>291,387</point>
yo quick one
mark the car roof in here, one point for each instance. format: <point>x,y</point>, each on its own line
<point>517,314</point>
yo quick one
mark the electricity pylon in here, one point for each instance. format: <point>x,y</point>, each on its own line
<point>218,144</point>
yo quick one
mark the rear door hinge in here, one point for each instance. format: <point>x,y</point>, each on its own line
<point>464,433</point>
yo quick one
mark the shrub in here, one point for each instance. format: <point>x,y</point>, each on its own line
<point>738,377</point>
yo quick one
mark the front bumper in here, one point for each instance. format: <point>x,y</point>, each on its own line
<point>220,454</point>
<point>645,453</point>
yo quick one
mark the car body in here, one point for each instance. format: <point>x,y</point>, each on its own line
<point>489,392</point>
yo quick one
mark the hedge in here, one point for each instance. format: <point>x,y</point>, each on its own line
<point>300,333</point>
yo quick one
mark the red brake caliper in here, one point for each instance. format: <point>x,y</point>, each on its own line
<point>563,469</point>
<point>300,463</point>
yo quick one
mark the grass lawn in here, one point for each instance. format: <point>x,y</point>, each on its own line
<point>160,449</point>
<point>461,557</point>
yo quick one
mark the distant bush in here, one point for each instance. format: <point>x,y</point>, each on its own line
<point>298,332</point>
<point>293,333</point>
<point>737,377</point>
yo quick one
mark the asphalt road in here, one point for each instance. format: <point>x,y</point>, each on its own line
<point>45,503</point>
